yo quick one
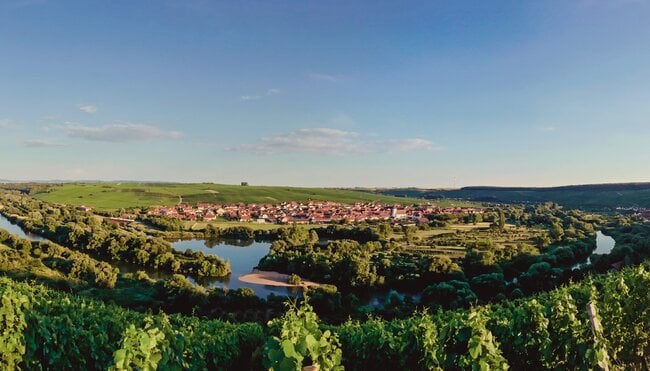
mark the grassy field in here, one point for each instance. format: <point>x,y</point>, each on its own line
<point>106,196</point>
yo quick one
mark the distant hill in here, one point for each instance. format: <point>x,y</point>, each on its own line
<point>589,196</point>
<point>124,195</point>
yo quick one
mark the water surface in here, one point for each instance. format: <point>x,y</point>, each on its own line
<point>243,257</point>
<point>604,245</point>
<point>15,229</point>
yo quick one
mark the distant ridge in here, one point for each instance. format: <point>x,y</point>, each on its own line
<point>587,196</point>
<point>581,187</point>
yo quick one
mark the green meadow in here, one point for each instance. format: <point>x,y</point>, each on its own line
<point>106,196</point>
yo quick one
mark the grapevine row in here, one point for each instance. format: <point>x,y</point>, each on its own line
<point>45,329</point>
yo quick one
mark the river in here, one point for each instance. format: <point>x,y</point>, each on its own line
<point>243,257</point>
<point>604,245</point>
<point>15,229</point>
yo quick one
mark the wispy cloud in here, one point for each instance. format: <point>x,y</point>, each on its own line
<point>332,142</point>
<point>250,97</point>
<point>410,144</point>
<point>324,77</point>
<point>41,143</point>
<point>547,129</point>
<point>118,131</point>
<point>88,108</point>
<point>7,124</point>
<point>267,93</point>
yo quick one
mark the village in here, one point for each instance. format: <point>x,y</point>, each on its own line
<point>313,212</point>
<point>641,212</point>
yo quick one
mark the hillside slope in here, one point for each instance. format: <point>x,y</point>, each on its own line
<point>124,195</point>
<point>593,196</point>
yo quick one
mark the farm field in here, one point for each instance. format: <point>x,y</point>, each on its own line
<point>107,196</point>
<point>453,228</point>
<point>452,240</point>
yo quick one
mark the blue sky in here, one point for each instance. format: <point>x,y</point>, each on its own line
<point>326,93</point>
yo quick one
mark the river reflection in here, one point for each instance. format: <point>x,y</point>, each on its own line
<point>243,256</point>
<point>604,245</point>
<point>15,229</point>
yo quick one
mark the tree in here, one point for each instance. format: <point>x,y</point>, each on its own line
<point>384,231</point>
<point>502,219</point>
<point>556,231</point>
<point>294,279</point>
<point>409,233</point>
<point>451,294</point>
<point>540,276</point>
<point>301,342</point>
<point>487,286</point>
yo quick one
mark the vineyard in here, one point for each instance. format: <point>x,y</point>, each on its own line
<point>46,329</point>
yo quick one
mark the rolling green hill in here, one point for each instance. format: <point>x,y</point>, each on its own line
<point>595,196</point>
<point>124,195</point>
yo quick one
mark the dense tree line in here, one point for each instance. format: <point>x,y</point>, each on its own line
<point>632,238</point>
<point>69,270</point>
<point>86,232</point>
<point>488,271</point>
<point>350,264</point>
<point>73,264</point>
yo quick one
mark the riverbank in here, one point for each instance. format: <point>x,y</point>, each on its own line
<point>272,279</point>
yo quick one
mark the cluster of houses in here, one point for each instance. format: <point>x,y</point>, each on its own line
<point>638,211</point>
<point>313,212</point>
<point>645,214</point>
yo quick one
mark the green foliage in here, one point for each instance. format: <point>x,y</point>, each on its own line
<point>141,349</point>
<point>469,344</point>
<point>410,344</point>
<point>294,279</point>
<point>451,294</point>
<point>624,310</point>
<point>551,330</point>
<point>426,333</point>
<point>569,331</point>
<point>12,325</point>
<point>524,327</point>
<point>84,232</point>
<point>483,351</point>
<point>65,332</point>
<point>301,342</point>
<point>597,353</point>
